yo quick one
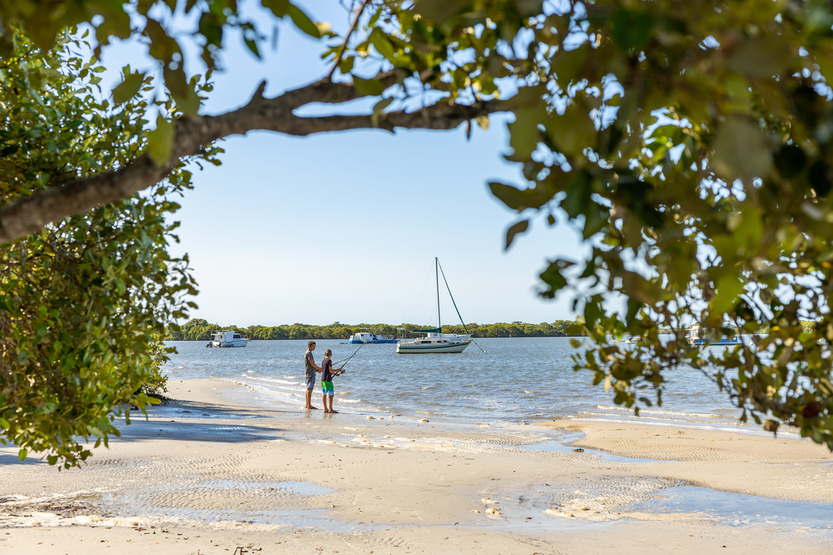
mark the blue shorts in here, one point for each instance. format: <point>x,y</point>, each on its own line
<point>310,382</point>
<point>327,387</point>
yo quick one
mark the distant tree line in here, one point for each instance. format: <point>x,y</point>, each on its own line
<point>201,330</point>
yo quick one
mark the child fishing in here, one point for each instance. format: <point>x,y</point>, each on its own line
<point>327,374</point>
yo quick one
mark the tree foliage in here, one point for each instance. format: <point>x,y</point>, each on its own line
<point>155,382</point>
<point>688,142</point>
<point>149,20</point>
<point>697,168</point>
<point>81,298</point>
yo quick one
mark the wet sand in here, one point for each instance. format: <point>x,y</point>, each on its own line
<point>220,469</point>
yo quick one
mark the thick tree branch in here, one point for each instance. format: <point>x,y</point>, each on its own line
<point>33,213</point>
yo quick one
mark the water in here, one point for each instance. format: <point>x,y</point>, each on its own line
<point>516,379</point>
<point>737,509</point>
<point>564,447</point>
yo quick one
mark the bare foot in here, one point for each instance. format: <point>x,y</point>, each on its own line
<point>312,408</point>
<point>326,411</point>
<point>333,412</point>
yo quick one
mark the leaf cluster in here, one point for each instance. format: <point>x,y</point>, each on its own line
<point>689,144</point>
<point>81,300</point>
<point>151,21</point>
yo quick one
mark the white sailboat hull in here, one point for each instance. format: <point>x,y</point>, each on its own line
<point>418,347</point>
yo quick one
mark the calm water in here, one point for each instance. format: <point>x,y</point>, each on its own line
<point>515,379</point>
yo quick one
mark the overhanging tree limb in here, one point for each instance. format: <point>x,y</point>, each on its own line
<point>31,214</point>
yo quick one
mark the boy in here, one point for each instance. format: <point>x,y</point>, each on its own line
<point>327,374</point>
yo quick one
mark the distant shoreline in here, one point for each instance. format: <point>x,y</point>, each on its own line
<point>201,330</point>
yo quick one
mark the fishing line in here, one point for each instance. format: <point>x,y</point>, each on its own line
<point>351,356</point>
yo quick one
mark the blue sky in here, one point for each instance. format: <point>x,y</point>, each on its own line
<point>345,226</point>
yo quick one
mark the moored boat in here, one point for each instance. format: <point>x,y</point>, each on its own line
<point>368,337</point>
<point>436,341</point>
<point>697,338</point>
<point>227,339</point>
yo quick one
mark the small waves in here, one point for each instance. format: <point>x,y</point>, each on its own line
<point>659,412</point>
<point>517,379</point>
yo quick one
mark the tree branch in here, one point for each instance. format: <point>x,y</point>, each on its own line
<point>347,39</point>
<point>78,196</point>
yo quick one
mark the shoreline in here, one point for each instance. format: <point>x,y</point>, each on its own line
<point>218,467</point>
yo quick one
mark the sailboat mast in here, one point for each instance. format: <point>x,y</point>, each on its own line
<point>437,276</point>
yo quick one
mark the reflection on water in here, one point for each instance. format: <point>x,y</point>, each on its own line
<point>736,509</point>
<point>563,447</point>
<point>516,379</point>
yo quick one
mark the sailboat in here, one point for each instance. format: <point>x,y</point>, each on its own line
<point>435,340</point>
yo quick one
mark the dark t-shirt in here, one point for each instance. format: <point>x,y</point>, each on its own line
<point>310,371</point>
<point>327,370</point>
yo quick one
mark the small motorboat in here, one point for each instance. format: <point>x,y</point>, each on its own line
<point>370,338</point>
<point>227,339</point>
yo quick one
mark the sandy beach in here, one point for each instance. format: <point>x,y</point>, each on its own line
<point>221,471</point>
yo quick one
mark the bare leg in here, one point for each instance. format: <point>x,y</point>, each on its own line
<point>331,405</point>
<point>309,400</point>
<point>324,400</point>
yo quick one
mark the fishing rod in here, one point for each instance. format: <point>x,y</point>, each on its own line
<point>351,356</point>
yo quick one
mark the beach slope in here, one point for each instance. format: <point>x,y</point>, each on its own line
<point>219,471</point>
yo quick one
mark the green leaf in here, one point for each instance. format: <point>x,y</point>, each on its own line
<point>728,289</point>
<point>182,91</point>
<point>520,227</point>
<point>747,227</point>
<point>438,10</point>
<point>128,88</point>
<point>22,454</point>
<point>790,160</point>
<point>633,310</point>
<point>383,46</point>
<point>572,132</point>
<point>762,58</point>
<point>579,193</point>
<point>554,279</point>
<point>302,21</point>
<point>278,7</point>
<point>524,133</point>
<point>160,141</point>
<point>508,195</point>
<point>368,87</point>
<point>740,151</point>
<point>345,66</point>
<point>629,29</point>
<point>592,312</point>
<point>379,109</point>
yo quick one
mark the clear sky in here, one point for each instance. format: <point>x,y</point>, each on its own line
<point>345,226</point>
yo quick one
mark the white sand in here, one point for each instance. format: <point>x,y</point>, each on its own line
<point>219,470</point>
